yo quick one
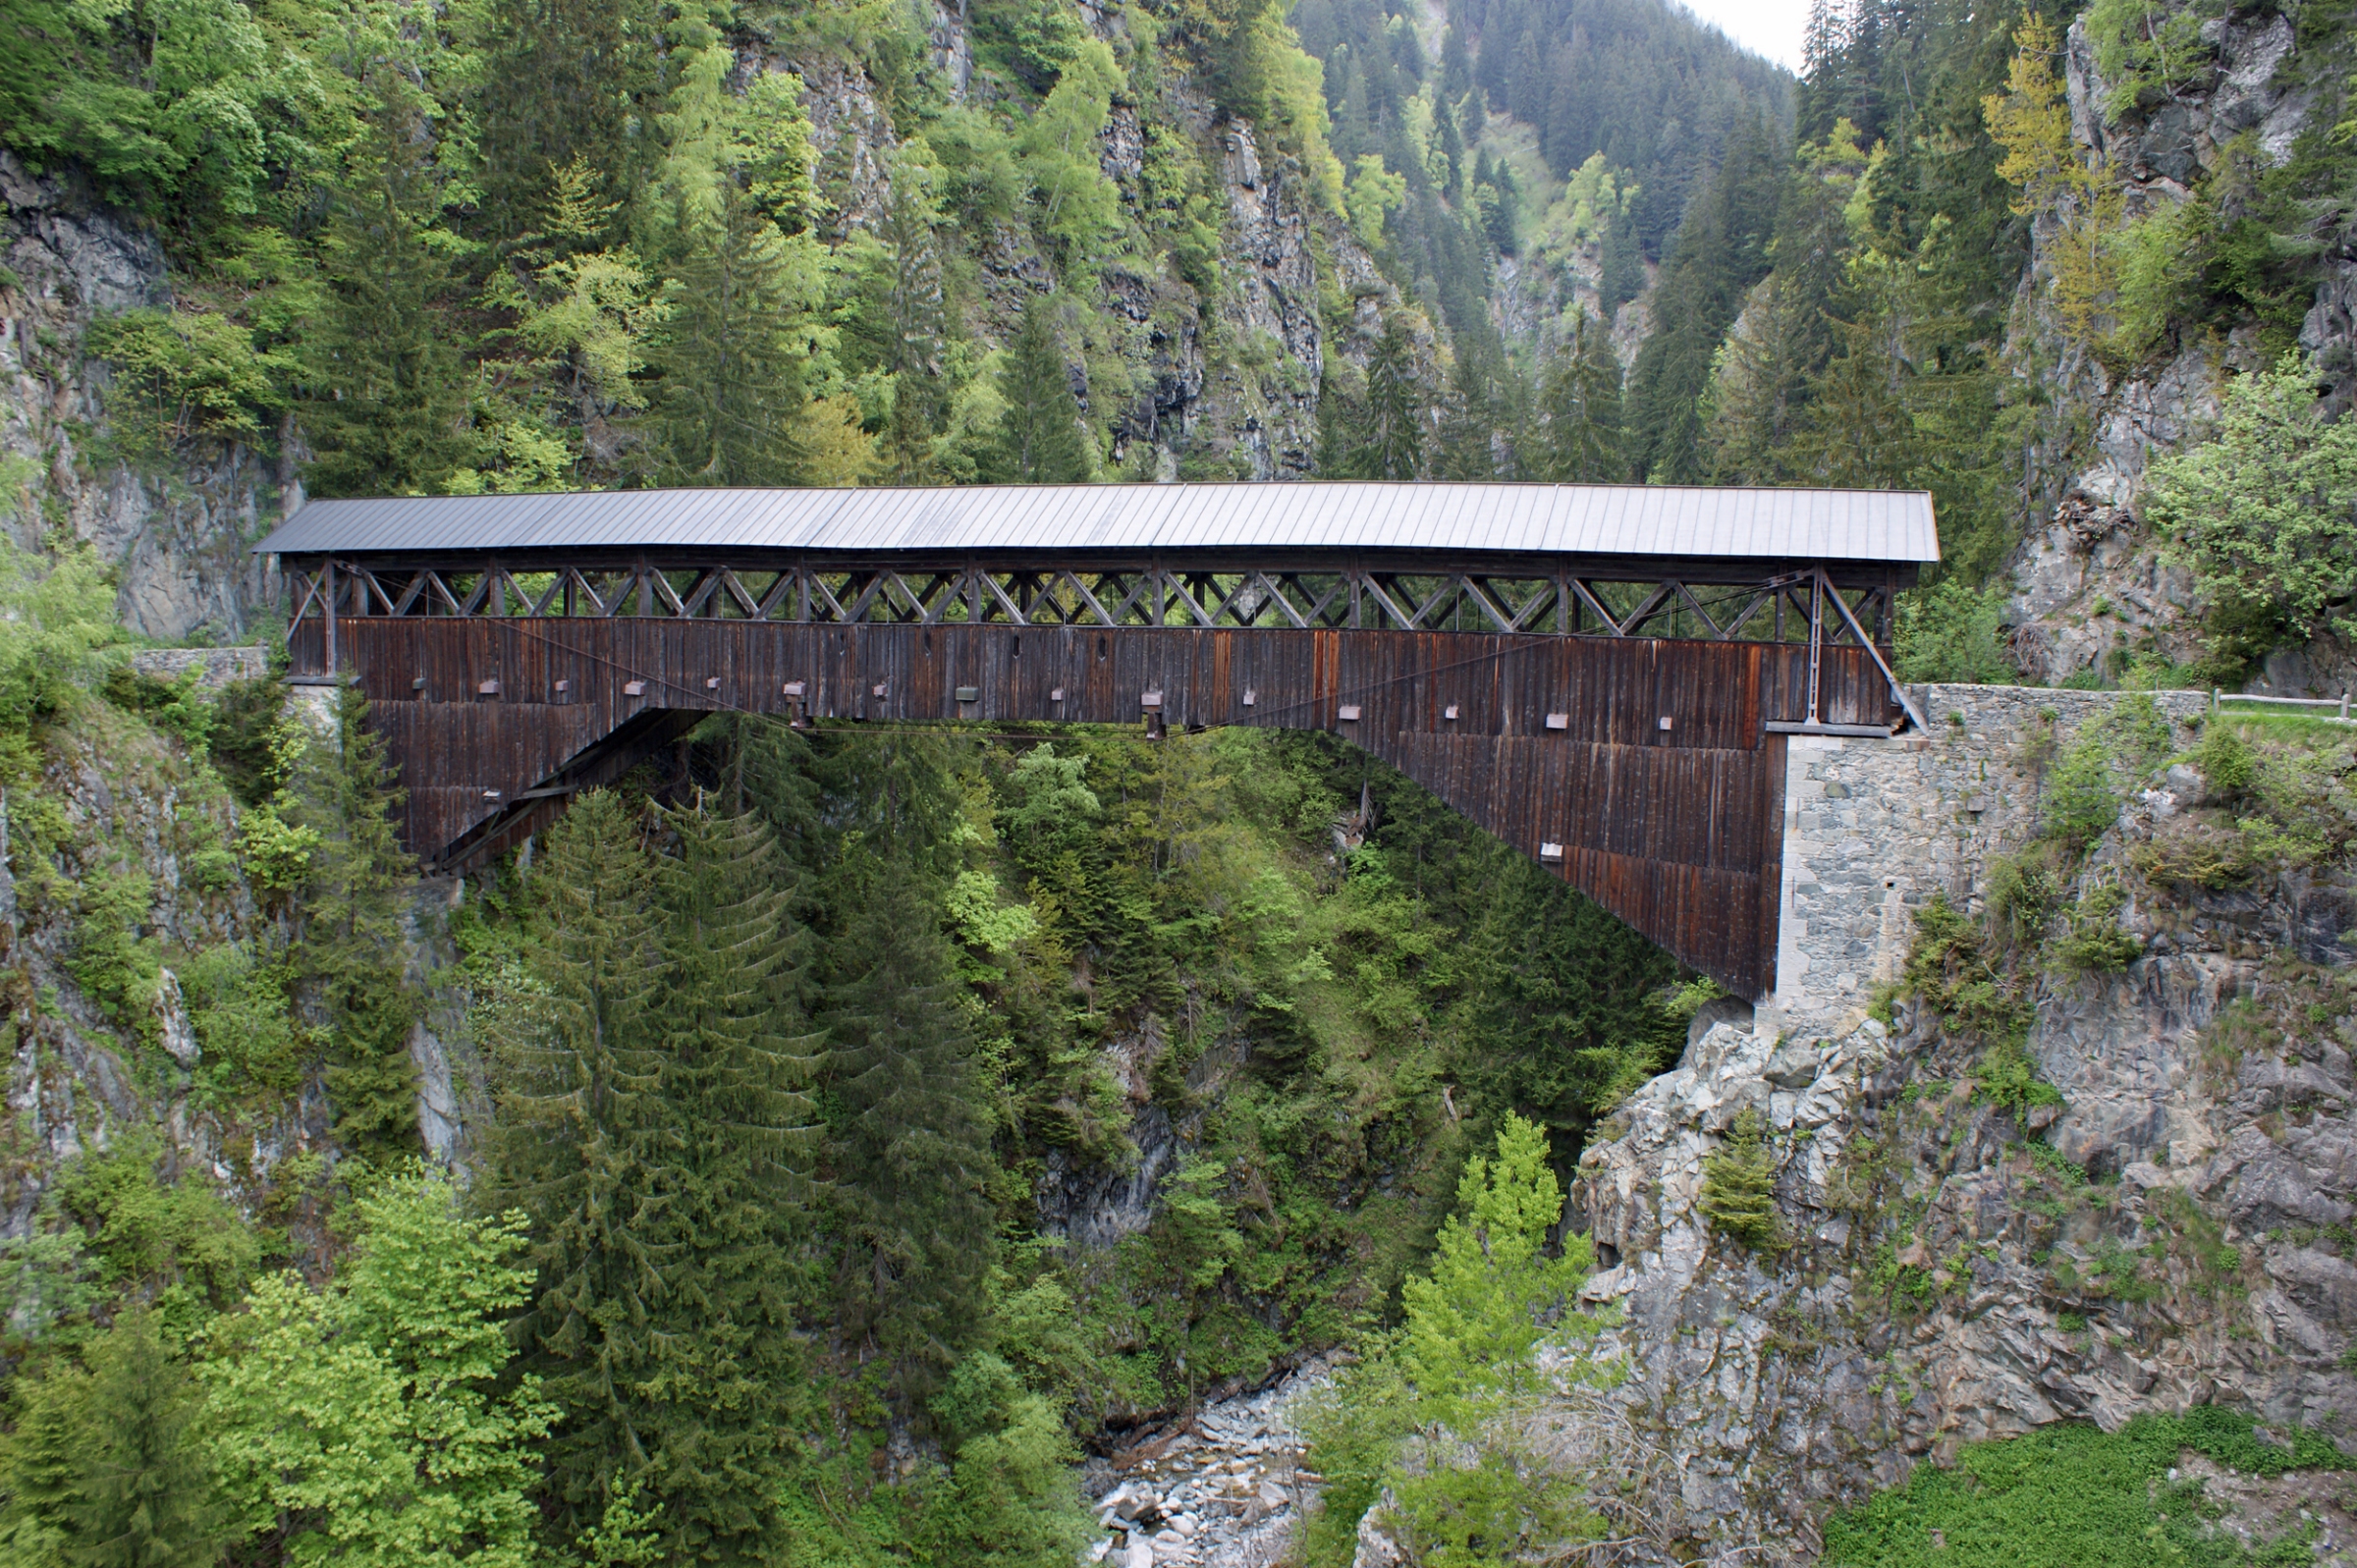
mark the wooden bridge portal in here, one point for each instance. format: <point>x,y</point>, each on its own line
<point>1603,676</point>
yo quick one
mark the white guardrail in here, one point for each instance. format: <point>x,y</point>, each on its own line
<point>2219,699</point>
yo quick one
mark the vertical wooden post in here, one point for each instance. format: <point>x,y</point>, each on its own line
<point>331,616</point>
<point>1816,639</point>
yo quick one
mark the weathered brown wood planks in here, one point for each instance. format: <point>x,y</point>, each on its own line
<point>1554,741</point>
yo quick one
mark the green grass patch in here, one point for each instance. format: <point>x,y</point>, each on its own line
<point>2071,1497</point>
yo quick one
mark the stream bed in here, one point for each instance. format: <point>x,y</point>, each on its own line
<point>1224,1489</point>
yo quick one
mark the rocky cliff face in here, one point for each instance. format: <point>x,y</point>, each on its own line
<point>2094,583</point>
<point>1966,1260</point>
<point>179,530</point>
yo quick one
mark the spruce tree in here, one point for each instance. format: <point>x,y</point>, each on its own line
<point>731,382</point>
<point>146,1493</point>
<point>1390,441</point>
<point>106,1467</point>
<point>351,948</point>
<point>901,324</point>
<point>1721,251</point>
<point>731,1165</point>
<point>573,1054</point>
<point>565,82</point>
<point>389,391</point>
<point>1039,439</point>
<point>909,1146</point>
<point>1582,406</point>
<point>40,1461</point>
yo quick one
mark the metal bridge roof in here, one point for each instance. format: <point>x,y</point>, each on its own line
<point>1522,518</point>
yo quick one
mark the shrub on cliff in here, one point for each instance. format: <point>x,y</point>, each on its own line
<point>2268,511</point>
<point>1738,1187</point>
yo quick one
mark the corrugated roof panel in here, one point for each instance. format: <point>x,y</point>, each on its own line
<point>1597,519</point>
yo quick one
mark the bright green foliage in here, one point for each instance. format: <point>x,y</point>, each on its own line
<point>173,1240</point>
<point>198,119</point>
<point>2095,944</point>
<point>1039,440</point>
<point>59,611</point>
<point>2267,509</point>
<point>1955,633</point>
<point>1474,1322</point>
<point>2007,1076</point>
<point>2145,50</point>
<point>191,374</point>
<point>112,960</point>
<point>2081,802</point>
<point>1461,1376</point>
<point>1738,1186</point>
<point>368,1422</point>
<point>1015,1496</point>
<point>2069,1496</point>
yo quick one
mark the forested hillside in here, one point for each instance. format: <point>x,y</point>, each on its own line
<point>806,1151</point>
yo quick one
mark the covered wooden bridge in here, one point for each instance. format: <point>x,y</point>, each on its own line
<point>1603,676</point>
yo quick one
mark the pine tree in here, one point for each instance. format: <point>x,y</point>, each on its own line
<point>1581,400</point>
<point>146,1493</point>
<point>909,1150</point>
<point>574,1053</point>
<point>351,950</point>
<point>1039,439</point>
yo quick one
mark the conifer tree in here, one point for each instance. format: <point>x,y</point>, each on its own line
<point>902,320</point>
<point>351,945</point>
<point>1039,439</point>
<point>1582,407</point>
<point>731,380</point>
<point>1623,276</point>
<point>731,1163</point>
<point>909,1150</point>
<point>107,1467</point>
<point>1721,251</point>
<point>389,407</point>
<point>40,1461</point>
<point>566,82</point>
<point>147,1496</point>
<point>1390,441</point>
<point>573,1054</point>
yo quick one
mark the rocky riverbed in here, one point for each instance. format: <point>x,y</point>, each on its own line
<point>1225,1488</point>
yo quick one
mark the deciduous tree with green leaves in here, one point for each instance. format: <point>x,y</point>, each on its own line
<point>368,1425</point>
<point>2267,510</point>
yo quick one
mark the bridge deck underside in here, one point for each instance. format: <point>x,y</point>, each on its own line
<point>1556,744</point>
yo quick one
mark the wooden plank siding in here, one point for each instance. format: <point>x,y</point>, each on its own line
<point>1676,831</point>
